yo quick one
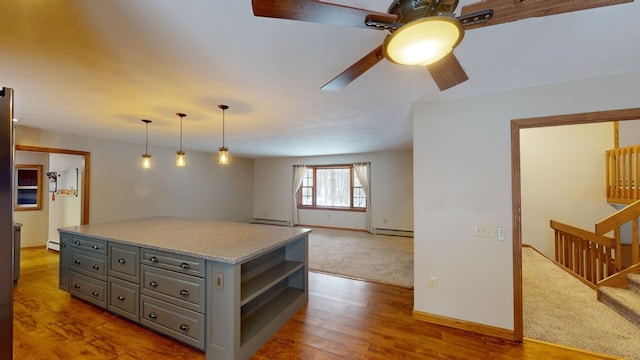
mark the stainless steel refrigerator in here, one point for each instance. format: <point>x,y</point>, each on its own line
<point>6,223</point>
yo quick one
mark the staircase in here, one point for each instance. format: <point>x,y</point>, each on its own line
<point>625,301</point>
<point>595,258</point>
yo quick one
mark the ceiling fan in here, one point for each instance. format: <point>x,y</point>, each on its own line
<point>424,28</point>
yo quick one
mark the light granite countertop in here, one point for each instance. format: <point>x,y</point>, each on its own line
<point>227,242</point>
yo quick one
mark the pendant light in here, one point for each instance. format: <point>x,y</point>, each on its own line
<point>223,153</point>
<point>146,157</point>
<point>181,159</point>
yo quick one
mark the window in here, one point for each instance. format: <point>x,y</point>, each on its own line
<point>331,187</point>
<point>28,187</point>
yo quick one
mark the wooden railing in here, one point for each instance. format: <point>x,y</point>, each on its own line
<point>619,218</point>
<point>590,256</point>
<point>623,175</point>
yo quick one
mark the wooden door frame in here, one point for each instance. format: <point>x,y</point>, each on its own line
<point>86,181</point>
<point>546,121</point>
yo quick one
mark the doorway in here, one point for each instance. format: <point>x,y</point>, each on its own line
<point>516,185</point>
<point>86,181</point>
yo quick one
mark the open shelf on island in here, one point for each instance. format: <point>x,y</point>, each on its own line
<point>260,317</point>
<point>256,286</point>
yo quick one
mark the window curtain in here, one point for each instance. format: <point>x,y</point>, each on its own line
<point>298,175</point>
<point>363,172</point>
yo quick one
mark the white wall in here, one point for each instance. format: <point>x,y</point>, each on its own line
<point>121,189</point>
<point>391,187</point>
<point>64,210</point>
<point>462,161</point>
<point>563,179</point>
<point>34,222</point>
<point>629,133</point>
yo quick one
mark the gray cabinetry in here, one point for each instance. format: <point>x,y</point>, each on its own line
<point>88,260</point>
<point>224,288</point>
<point>272,288</point>
<point>64,267</point>
<point>173,296</point>
<point>124,280</point>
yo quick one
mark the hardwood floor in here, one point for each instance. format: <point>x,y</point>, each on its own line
<point>345,319</point>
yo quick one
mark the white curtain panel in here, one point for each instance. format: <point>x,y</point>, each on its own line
<point>363,172</point>
<point>298,175</point>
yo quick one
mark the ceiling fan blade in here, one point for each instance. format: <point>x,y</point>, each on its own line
<point>447,72</point>
<point>355,70</point>
<point>319,12</point>
<point>511,10</point>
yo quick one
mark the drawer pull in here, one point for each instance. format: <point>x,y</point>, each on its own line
<point>153,315</point>
<point>122,260</point>
<point>96,247</point>
<point>184,327</point>
<point>121,298</point>
<point>184,293</point>
<point>185,266</point>
<point>77,261</point>
<point>64,244</point>
<point>77,286</point>
<point>95,293</point>
<point>76,242</point>
<point>96,267</point>
<point>153,259</point>
<point>153,284</point>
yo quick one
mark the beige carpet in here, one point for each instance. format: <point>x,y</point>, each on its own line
<point>561,309</point>
<point>360,255</point>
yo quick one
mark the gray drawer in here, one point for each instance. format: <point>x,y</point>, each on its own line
<point>124,262</point>
<point>89,289</point>
<point>181,324</point>
<point>179,289</point>
<point>89,244</point>
<point>124,299</point>
<point>89,263</point>
<point>180,263</point>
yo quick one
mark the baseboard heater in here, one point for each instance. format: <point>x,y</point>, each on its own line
<point>53,245</point>
<point>270,222</point>
<point>394,232</point>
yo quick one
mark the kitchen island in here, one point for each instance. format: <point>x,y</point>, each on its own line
<point>222,287</point>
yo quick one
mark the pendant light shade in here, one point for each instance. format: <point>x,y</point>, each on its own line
<point>423,41</point>
<point>181,159</point>
<point>146,157</point>
<point>223,153</point>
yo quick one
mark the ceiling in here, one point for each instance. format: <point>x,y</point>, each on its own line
<point>97,68</point>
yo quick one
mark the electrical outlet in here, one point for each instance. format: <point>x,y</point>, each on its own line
<point>433,283</point>
<point>219,281</point>
<point>483,231</point>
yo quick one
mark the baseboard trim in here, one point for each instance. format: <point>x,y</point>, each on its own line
<point>604,356</point>
<point>270,222</point>
<point>477,328</point>
<point>331,228</point>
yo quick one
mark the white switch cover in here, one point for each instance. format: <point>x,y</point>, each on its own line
<point>483,231</point>
<point>433,283</point>
<point>500,233</point>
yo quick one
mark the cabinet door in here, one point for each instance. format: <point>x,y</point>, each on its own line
<point>124,298</point>
<point>124,262</point>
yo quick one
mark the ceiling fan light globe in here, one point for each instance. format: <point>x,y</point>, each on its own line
<point>423,41</point>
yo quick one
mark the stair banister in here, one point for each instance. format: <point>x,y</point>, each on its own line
<point>615,221</point>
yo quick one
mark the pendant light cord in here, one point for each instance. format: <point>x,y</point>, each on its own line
<point>223,127</point>
<point>146,140</point>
